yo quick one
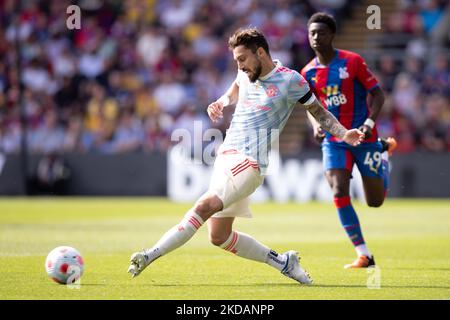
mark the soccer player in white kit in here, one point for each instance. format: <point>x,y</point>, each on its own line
<point>265,94</point>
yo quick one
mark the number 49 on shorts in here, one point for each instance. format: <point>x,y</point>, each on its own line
<point>373,161</point>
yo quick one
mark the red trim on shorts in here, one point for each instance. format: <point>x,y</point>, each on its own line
<point>244,165</point>
<point>239,165</point>
<point>245,168</point>
<point>342,202</point>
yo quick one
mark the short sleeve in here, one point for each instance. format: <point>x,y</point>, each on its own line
<point>364,75</point>
<point>299,90</point>
<point>239,78</point>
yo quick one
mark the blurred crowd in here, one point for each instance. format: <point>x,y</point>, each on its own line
<point>139,69</point>
<point>417,79</point>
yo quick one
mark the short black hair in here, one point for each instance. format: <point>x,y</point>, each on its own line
<point>251,38</point>
<point>323,17</point>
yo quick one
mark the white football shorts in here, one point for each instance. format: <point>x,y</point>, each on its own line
<point>235,177</point>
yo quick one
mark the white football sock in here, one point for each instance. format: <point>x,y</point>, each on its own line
<point>362,250</point>
<point>247,247</point>
<point>179,234</point>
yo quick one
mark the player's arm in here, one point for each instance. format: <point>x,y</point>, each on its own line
<point>328,122</point>
<point>215,109</point>
<point>319,134</point>
<point>375,102</point>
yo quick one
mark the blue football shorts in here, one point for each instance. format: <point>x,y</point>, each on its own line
<point>367,156</point>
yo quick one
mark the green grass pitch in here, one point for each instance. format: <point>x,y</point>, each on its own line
<point>410,240</point>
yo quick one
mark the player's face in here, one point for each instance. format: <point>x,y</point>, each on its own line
<point>248,62</point>
<point>320,36</point>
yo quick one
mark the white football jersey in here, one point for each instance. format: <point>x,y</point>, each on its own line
<point>262,110</point>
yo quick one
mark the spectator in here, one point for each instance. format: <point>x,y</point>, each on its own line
<point>170,95</point>
<point>129,133</point>
<point>49,137</point>
<point>52,175</point>
<point>155,137</point>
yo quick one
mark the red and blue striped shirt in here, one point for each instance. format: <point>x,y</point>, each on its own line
<point>342,87</point>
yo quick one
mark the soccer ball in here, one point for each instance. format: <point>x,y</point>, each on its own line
<point>64,265</point>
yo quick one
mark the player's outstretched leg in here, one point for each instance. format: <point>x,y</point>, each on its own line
<point>172,239</point>
<point>177,235</point>
<point>245,246</point>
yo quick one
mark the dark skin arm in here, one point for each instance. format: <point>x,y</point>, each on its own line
<point>375,102</point>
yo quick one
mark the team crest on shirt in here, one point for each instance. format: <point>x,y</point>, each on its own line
<point>272,91</point>
<point>343,73</point>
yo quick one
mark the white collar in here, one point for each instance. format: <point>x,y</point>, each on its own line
<point>277,65</point>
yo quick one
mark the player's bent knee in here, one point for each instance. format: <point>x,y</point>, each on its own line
<point>339,192</point>
<point>208,206</point>
<point>217,239</point>
<point>375,203</point>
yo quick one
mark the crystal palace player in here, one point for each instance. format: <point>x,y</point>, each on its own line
<point>265,94</point>
<point>341,80</point>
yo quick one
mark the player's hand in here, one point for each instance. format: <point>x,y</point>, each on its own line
<point>215,111</point>
<point>319,134</point>
<point>353,137</point>
<point>366,130</point>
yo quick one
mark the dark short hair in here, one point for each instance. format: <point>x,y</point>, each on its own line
<point>251,38</point>
<point>323,17</point>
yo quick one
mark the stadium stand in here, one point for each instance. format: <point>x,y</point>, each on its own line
<point>138,69</point>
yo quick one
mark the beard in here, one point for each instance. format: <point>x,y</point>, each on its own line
<point>253,76</point>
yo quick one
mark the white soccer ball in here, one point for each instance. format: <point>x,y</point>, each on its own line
<point>64,265</point>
